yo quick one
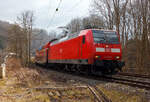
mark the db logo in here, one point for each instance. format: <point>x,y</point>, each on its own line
<point>60,50</point>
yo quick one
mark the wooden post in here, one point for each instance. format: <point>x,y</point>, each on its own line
<point>3,71</point>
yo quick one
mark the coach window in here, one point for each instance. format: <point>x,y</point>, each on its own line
<point>55,42</point>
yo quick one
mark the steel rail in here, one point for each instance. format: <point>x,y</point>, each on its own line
<point>130,82</point>
<point>134,75</point>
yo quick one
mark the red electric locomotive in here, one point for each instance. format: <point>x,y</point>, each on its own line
<point>92,49</point>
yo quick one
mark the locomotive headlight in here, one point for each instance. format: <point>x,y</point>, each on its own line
<point>97,57</point>
<point>117,57</point>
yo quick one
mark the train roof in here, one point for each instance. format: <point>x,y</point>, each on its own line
<point>73,35</point>
<point>101,29</point>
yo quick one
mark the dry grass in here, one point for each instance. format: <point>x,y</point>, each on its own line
<point>118,96</point>
<point>16,88</point>
<point>24,76</point>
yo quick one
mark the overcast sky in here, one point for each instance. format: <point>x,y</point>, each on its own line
<point>44,9</point>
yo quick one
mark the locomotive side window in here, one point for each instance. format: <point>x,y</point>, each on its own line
<point>108,37</point>
<point>83,40</point>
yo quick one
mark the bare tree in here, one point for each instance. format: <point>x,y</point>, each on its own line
<point>26,21</point>
<point>75,25</point>
<point>14,37</point>
<point>16,41</point>
<point>112,11</point>
<point>131,18</point>
<point>104,8</point>
<point>92,21</point>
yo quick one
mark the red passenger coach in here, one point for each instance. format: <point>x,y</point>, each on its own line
<point>92,49</point>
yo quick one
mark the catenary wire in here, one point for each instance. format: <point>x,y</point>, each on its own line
<point>56,10</point>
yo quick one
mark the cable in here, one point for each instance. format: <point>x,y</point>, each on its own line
<point>74,6</point>
<point>59,5</point>
<point>56,10</point>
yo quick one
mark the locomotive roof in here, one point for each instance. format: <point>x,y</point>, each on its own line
<point>102,29</point>
<point>80,33</point>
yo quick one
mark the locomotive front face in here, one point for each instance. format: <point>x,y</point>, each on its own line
<point>108,53</point>
<point>107,45</point>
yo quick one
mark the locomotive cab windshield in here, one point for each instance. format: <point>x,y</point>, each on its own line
<point>105,37</point>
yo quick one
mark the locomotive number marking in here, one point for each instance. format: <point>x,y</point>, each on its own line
<point>107,49</point>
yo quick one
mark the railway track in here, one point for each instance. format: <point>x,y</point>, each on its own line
<point>97,93</point>
<point>121,79</point>
<point>101,97</point>
<point>131,80</point>
<point>134,81</point>
<point>142,81</point>
<point>134,75</point>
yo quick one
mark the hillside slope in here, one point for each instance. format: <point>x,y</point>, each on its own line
<point>4,27</point>
<point>39,37</point>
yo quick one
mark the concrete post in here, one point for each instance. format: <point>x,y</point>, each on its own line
<point>3,71</point>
